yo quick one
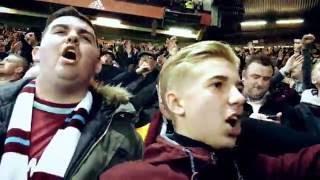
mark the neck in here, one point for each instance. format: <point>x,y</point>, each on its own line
<point>59,93</point>
<point>5,78</point>
<point>254,99</point>
<point>189,142</point>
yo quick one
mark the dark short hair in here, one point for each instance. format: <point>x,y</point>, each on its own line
<point>260,59</point>
<point>154,57</point>
<point>68,11</point>
<point>104,52</point>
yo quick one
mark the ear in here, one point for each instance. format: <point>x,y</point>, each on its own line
<point>18,70</point>
<point>243,74</point>
<point>98,66</point>
<point>35,53</point>
<point>174,103</point>
<point>313,80</point>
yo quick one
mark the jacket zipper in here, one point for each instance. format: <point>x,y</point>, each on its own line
<point>213,158</point>
<point>92,147</point>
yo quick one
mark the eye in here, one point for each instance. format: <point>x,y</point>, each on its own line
<point>59,31</point>
<point>88,39</point>
<point>255,76</point>
<point>217,85</point>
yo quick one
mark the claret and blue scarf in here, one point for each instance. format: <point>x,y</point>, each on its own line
<point>54,161</point>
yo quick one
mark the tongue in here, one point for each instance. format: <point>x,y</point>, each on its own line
<point>70,55</point>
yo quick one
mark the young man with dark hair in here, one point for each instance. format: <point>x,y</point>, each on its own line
<point>57,126</point>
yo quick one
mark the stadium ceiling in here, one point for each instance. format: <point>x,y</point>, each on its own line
<point>262,8</point>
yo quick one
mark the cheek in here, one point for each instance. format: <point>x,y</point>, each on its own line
<point>89,52</point>
<point>206,106</point>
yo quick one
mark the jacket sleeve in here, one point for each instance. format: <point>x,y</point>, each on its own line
<point>271,138</point>
<point>276,79</point>
<point>306,68</point>
<point>124,78</point>
<point>302,165</point>
<point>140,170</point>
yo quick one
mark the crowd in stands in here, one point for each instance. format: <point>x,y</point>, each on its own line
<point>63,91</point>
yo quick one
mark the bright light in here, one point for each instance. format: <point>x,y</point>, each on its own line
<point>253,23</point>
<point>174,31</point>
<point>20,12</point>
<point>289,21</point>
<point>108,22</point>
<point>116,23</point>
<point>7,10</point>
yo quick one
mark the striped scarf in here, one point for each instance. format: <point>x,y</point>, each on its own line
<point>54,161</point>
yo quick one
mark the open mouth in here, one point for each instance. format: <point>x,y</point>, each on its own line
<point>232,120</point>
<point>69,53</point>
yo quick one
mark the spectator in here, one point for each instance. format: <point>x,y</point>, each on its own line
<point>33,37</point>
<point>12,68</point>
<point>145,74</point>
<point>108,70</point>
<point>57,126</point>
<point>308,109</point>
<point>260,103</point>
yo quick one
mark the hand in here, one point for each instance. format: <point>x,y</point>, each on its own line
<point>293,61</point>
<point>143,69</point>
<point>265,117</point>
<point>307,39</point>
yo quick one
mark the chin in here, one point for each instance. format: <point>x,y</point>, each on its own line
<point>227,144</point>
<point>230,145</point>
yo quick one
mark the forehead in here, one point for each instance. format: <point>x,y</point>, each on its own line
<point>146,57</point>
<point>11,58</point>
<point>256,68</point>
<point>71,22</point>
<point>212,67</point>
<point>106,55</point>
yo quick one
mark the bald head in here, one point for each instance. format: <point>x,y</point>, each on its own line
<point>13,67</point>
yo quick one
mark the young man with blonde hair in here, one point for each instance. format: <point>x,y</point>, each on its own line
<point>199,94</point>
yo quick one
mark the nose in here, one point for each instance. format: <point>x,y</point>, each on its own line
<point>236,98</point>
<point>73,38</point>
<point>260,82</point>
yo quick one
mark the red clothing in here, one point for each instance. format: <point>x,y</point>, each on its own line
<point>166,161</point>
<point>44,126</point>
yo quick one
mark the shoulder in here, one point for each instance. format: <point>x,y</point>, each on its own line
<point>141,170</point>
<point>10,91</point>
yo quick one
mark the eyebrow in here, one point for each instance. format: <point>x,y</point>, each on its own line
<point>59,26</point>
<point>83,31</point>
<point>218,77</point>
<point>254,74</point>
